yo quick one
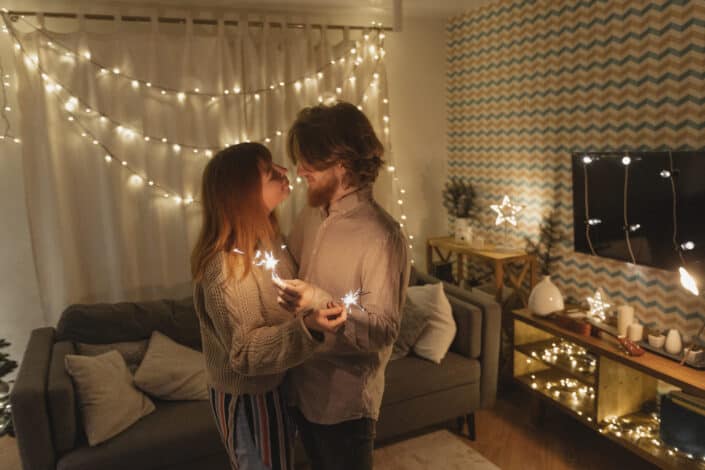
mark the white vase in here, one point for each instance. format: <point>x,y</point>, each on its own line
<point>545,298</point>
<point>674,343</point>
<point>460,227</point>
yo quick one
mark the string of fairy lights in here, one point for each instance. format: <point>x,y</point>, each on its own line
<point>235,90</point>
<point>627,161</point>
<point>78,110</point>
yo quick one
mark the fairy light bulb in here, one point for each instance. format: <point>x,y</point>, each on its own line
<point>176,147</point>
<point>181,96</point>
<point>297,85</point>
<point>116,71</point>
<point>135,84</point>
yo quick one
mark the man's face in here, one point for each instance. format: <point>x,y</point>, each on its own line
<point>322,184</point>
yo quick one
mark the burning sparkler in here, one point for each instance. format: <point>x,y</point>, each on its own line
<point>265,260</point>
<point>352,299</point>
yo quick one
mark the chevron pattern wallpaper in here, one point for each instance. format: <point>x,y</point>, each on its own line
<point>530,81</point>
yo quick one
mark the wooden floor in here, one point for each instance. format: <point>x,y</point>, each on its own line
<point>507,437</point>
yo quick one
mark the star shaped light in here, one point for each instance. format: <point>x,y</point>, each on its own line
<point>506,212</point>
<point>598,306</point>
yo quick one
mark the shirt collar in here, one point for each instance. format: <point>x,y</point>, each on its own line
<point>348,202</point>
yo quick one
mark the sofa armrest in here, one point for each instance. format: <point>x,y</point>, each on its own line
<point>61,397</point>
<point>29,403</point>
<point>490,336</point>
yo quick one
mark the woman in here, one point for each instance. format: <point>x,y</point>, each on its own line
<point>248,340</point>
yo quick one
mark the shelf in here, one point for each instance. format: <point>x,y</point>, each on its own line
<point>537,350</point>
<point>687,378</point>
<point>617,397</point>
<point>647,445</point>
<point>571,399</point>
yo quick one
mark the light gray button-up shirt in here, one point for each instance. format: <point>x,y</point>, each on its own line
<point>354,245</point>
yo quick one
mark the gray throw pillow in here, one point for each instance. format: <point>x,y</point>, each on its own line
<point>413,321</point>
<point>132,351</point>
<point>108,400</point>
<point>172,371</point>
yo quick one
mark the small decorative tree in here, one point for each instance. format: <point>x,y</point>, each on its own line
<point>459,198</point>
<point>550,235</point>
<point>7,365</point>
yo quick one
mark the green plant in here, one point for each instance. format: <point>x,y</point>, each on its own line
<point>550,235</point>
<point>7,365</point>
<point>459,197</point>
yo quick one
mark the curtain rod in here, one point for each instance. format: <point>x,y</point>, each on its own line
<point>197,21</point>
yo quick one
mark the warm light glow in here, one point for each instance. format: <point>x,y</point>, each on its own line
<point>506,212</point>
<point>688,281</point>
<point>598,307</point>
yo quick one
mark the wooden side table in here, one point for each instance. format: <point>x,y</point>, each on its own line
<point>446,247</point>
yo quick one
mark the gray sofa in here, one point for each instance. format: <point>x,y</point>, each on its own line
<point>182,435</point>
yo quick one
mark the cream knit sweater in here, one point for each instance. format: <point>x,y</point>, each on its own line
<point>248,340</point>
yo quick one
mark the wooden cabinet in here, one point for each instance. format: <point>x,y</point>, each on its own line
<point>614,394</point>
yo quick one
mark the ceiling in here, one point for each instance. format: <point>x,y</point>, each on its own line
<point>382,9</point>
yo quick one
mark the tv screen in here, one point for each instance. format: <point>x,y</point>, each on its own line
<point>650,183</point>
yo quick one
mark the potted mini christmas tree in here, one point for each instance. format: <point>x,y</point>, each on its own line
<point>459,201</point>
<point>7,365</point>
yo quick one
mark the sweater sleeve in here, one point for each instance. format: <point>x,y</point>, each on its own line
<point>255,348</point>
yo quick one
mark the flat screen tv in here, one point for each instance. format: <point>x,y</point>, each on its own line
<point>650,183</point>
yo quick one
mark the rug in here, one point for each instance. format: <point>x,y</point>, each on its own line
<point>440,450</point>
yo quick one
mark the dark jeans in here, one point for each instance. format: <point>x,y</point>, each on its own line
<point>343,446</point>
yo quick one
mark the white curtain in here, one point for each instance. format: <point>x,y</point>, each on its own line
<point>90,95</point>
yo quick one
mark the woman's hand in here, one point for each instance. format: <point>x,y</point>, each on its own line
<point>294,295</point>
<point>328,320</point>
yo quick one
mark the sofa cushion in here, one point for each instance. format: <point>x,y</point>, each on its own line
<point>130,321</point>
<point>108,400</point>
<point>176,432</point>
<point>132,351</point>
<point>436,338</point>
<point>171,371</point>
<point>412,376</point>
<point>413,321</point>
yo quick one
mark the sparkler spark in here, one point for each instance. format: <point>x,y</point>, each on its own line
<point>265,260</point>
<point>352,299</point>
<point>268,262</point>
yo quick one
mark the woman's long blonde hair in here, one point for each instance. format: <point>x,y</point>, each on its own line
<point>234,214</point>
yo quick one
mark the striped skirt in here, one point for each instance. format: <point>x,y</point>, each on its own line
<point>256,430</point>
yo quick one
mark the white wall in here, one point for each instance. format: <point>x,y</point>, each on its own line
<point>416,68</point>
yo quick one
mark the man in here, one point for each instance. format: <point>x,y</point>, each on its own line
<point>344,242</point>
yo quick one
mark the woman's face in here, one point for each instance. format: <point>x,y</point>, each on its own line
<point>275,186</point>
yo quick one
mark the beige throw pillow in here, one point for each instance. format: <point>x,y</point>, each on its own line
<point>172,371</point>
<point>436,338</point>
<point>108,400</point>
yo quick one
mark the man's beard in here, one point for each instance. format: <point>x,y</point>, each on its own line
<point>322,195</point>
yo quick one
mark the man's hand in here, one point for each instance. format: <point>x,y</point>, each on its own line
<point>294,295</point>
<point>327,320</point>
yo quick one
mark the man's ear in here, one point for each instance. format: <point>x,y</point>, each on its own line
<point>341,174</point>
